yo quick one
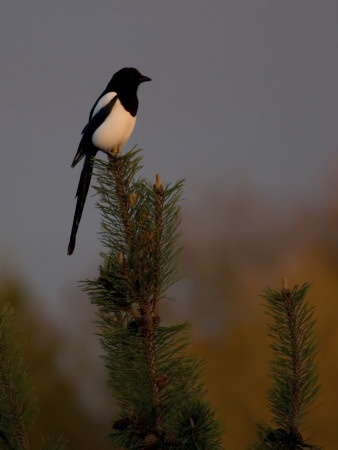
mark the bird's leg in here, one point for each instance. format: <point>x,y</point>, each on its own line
<point>107,152</point>
<point>116,151</point>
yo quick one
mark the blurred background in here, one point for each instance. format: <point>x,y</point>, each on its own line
<point>244,106</point>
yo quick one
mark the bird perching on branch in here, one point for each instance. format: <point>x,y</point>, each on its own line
<point>111,122</point>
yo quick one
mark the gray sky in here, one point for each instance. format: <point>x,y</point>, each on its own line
<point>241,89</point>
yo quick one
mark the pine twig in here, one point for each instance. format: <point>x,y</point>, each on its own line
<point>294,371</point>
<point>134,272</point>
<point>17,405</point>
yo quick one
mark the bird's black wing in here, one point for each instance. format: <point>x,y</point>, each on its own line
<point>92,125</point>
<point>86,148</point>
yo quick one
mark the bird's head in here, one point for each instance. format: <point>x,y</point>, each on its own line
<point>126,80</point>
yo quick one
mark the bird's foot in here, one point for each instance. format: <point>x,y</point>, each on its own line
<point>115,151</point>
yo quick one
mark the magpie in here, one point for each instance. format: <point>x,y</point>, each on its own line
<point>111,122</point>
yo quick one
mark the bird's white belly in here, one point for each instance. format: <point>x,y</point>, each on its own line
<point>115,130</point>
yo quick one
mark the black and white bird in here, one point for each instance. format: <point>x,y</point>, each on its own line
<point>111,122</point>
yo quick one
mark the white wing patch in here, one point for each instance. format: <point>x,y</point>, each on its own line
<point>117,127</point>
<point>104,101</point>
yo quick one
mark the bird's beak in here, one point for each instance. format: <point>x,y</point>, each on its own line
<point>143,78</point>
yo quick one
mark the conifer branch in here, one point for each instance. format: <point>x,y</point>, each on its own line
<point>154,381</point>
<point>17,405</point>
<point>294,371</point>
<point>147,322</point>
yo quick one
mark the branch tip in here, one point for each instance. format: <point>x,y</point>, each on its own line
<point>158,185</point>
<point>132,199</point>
<point>285,283</point>
<point>121,258</point>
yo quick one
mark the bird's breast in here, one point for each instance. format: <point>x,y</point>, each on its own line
<point>117,127</point>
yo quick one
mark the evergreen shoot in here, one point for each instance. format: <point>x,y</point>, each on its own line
<point>154,380</point>
<point>293,368</point>
<point>18,407</point>
<point>17,404</point>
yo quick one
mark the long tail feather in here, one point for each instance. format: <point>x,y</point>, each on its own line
<point>81,195</point>
<point>81,151</point>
